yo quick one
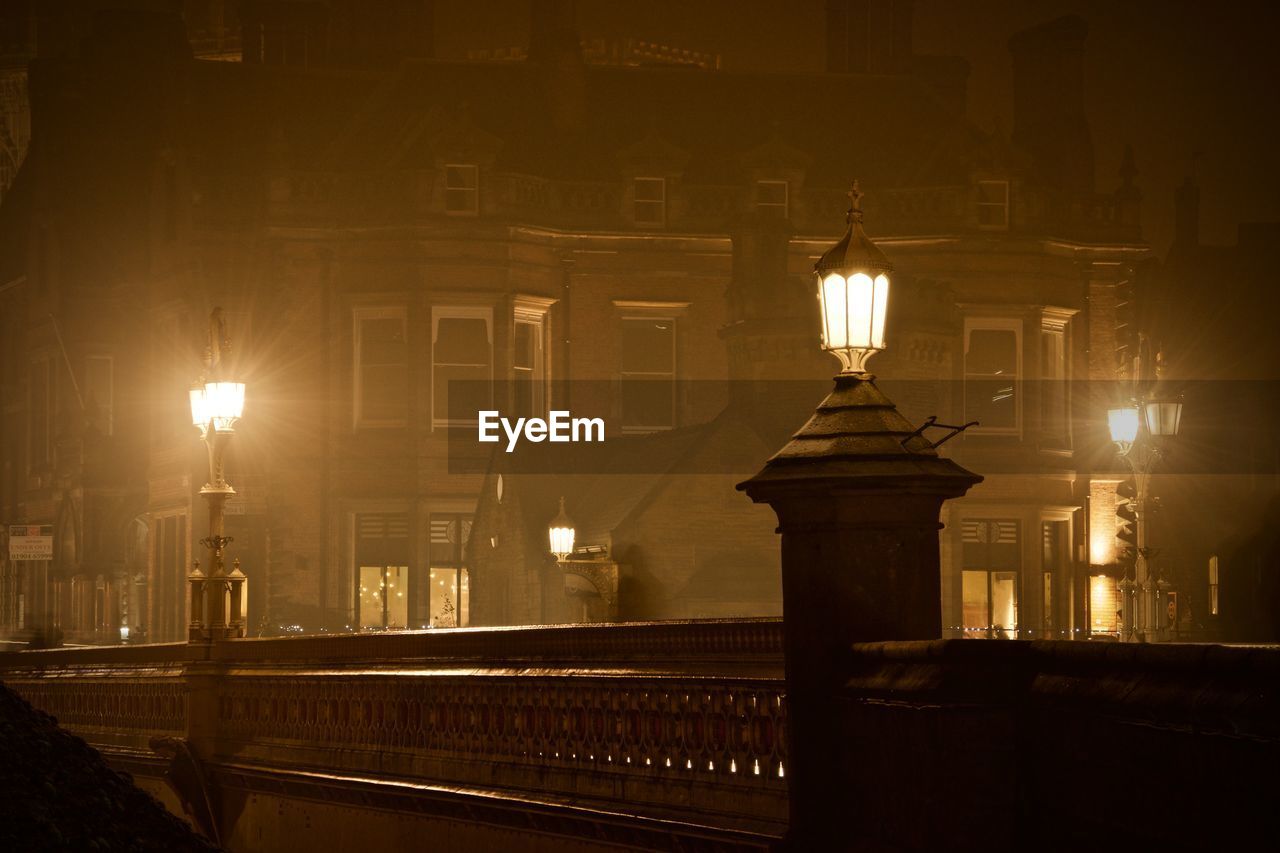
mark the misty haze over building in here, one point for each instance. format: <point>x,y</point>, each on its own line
<point>269,270</point>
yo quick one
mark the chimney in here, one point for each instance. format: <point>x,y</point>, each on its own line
<point>869,36</point>
<point>1049,121</point>
<point>556,48</point>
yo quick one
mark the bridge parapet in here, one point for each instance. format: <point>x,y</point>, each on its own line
<point>675,723</point>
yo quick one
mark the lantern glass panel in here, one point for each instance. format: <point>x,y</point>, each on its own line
<point>1164,417</point>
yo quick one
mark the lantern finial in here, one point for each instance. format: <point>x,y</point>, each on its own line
<point>855,204</point>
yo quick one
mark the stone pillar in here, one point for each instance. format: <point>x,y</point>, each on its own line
<point>857,497</point>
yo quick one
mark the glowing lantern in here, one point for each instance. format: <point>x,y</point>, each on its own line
<point>1123,423</point>
<point>561,535</point>
<point>853,291</point>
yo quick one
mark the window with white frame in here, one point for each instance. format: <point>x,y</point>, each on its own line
<point>99,392</point>
<point>992,368</point>
<point>381,367</point>
<point>773,198</point>
<point>1055,388</point>
<point>461,364</point>
<point>462,188</point>
<point>529,358</point>
<point>993,205</point>
<point>648,371</point>
<point>650,203</point>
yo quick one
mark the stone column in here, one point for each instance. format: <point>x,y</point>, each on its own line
<point>857,497</point>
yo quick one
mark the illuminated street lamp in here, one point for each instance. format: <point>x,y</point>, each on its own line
<point>217,600</point>
<point>1138,431</point>
<point>853,291</point>
<point>858,491</point>
<point>1122,421</point>
<point>561,535</point>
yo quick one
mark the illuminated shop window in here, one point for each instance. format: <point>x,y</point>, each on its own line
<point>989,578</point>
<point>382,576</point>
<point>446,600</point>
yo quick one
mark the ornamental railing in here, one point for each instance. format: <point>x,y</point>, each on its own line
<point>671,719</point>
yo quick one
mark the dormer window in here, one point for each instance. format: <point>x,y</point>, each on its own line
<point>650,201</point>
<point>772,198</point>
<point>993,205</point>
<point>462,189</point>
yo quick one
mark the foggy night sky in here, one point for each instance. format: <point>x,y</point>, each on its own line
<point>1167,76</point>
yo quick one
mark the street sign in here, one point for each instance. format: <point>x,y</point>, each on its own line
<point>30,541</point>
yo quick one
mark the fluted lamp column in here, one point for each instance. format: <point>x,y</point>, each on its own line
<point>217,403</point>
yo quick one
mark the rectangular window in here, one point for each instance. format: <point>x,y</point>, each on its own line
<point>447,601</point>
<point>772,198</point>
<point>993,205</point>
<point>99,397</point>
<point>528,366</point>
<point>40,415</point>
<point>989,579</point>
<point>650,201</point>
<point>382,570</point>
<point>648,373</point>
<point>992,364</point>
<point>462,189</point>
<point>381,367</point>
<point>1055,412</point>
<point>461,365</point>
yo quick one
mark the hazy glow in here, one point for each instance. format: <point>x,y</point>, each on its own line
<point>1104,602</point>
<point>1102,523</point>
<point>853,316</point>
<point>1123,423</point>
<point>220,402</point>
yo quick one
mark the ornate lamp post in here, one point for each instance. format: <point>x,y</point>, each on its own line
<point>857,492</point>
<point>217,600</point>
<point>1139,431</point>
<point>560,534</point>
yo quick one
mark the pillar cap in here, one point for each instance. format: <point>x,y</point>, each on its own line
<point>857,439</point>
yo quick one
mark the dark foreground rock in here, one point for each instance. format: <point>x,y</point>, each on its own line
<point>57,793</point>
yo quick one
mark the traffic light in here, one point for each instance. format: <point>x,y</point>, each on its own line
<point>1127,522</point>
